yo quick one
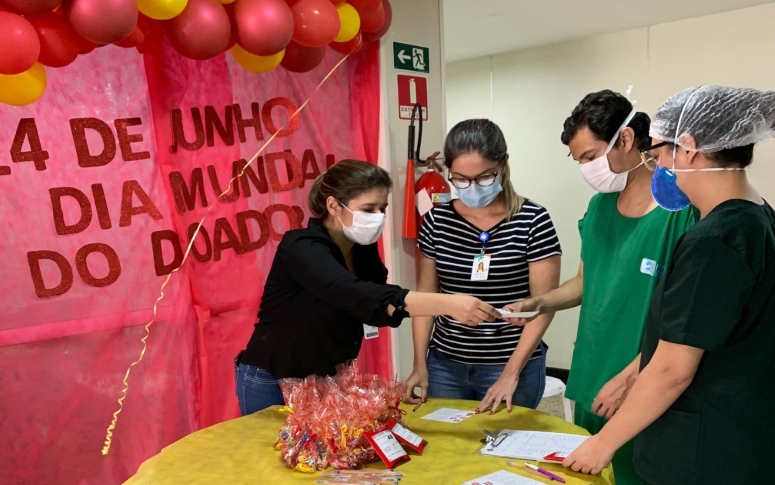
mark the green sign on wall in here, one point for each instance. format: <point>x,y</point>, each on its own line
<point>408,57</point>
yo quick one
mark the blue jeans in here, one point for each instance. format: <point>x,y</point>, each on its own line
<point>454,380</point>
<point>257,389</point>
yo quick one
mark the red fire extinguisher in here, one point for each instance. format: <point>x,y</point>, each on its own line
<point>432,182</point>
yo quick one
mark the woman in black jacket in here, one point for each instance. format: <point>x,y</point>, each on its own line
<point>326,281</point>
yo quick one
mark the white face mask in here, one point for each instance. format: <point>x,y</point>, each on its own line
<point>598,173</point>
<point>366,228</point>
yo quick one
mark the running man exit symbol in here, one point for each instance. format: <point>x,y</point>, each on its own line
<point>408,57</point>
<point>418,59</point>
<point>412,90</point>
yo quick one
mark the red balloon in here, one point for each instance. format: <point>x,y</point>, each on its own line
<point>302,59</point>
<point>31,7</point>
<point>372,20</point>
<point>85,46</point>
<point>316,23</point>
<point>351,46</point>
<point>59,44</point>
<point>263,27</point>
<point>135,39</point>
<point>372,36</point>
<point>365,6</point>
<point>20,46</point>
<point>153,34</point>
<point>337,2</point>
<point>101,21</point>
<point>201,31</point>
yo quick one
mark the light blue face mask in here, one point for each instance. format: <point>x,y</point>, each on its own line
<point>476,196</point>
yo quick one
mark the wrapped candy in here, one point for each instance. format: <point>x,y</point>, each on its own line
<point>328,417</point>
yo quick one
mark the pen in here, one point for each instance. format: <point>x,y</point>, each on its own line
<point>362,478</point>
<point>367,471</point>
<point>549,474</point>
<point>527,470</point>
<point>418,406</point>
<point>335,482</point>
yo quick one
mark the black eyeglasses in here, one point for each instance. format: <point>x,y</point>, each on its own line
<point>654,147</point>
<point>460,182</point>
<point>650,161</point>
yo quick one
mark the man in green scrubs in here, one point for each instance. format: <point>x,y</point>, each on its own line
<point>626,242</point>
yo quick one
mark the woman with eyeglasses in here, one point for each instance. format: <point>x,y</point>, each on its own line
<point>497,246</point>
<point>702,407</point>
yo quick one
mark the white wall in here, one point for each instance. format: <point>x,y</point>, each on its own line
<point>417,22</point>
<point>530,92</point>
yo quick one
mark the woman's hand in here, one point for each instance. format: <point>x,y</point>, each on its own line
<point>418,378</point>
<point>528,305</point>
<point>471,311</point>
<point>502,390</point>
<point>591,457</point>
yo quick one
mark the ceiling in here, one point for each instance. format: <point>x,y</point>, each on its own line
<point>475,28</point>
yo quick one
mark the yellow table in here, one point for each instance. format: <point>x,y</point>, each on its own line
<point>240,451</point>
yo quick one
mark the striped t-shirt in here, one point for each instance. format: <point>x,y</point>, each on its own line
<point>451,240</point>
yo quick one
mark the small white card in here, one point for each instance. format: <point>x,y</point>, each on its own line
<point>449,415</point>
<point>507,314</point>
<point>370,332</point>
<point>481,267</point>
<point>389,445</point>
<point>409,436</point>
<point>502,478</point>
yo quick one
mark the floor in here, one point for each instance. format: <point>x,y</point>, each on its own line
<point>553,405</point>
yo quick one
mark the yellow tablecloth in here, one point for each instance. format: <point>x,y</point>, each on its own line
<point>240,451</point>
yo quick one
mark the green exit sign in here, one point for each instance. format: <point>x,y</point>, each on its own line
<point>408,57</point>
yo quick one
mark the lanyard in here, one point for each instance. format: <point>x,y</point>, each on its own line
<point>484,236</point>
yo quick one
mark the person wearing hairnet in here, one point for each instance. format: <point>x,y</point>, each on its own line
<point>626,242</point>
<point>702,409</point>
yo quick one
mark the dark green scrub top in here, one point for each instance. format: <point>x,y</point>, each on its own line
<point>719,296</point>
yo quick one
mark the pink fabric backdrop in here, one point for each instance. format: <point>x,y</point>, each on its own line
<point>64,349</point>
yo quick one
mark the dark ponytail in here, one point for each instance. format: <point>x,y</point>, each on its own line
<point>345,181</point>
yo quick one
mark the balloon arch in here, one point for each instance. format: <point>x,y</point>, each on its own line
<point>260,34</point>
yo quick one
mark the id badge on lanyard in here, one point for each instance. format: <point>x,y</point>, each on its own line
<point>480,269</point>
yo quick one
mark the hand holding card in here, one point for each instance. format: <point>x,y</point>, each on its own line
<point>508,314</point>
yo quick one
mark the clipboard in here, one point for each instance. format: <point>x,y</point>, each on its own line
<point>493,440</point>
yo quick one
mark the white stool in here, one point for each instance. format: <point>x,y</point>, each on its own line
<point>554,387</point>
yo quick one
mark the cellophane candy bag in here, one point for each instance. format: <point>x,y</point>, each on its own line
<point>328,416</point>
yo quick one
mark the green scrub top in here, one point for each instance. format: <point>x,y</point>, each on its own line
<point>623,259</point>
<point>719,296</point>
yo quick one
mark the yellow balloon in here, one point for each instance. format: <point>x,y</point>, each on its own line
<point>23,88</point>
<point>254,63</point>
<point>161,9</point>
<point>351,23</point>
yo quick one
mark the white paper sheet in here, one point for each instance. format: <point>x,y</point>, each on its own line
<point>449,415</point>
<point>533,445</point>
<point>502,478</point>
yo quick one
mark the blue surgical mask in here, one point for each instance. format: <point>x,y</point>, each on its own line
<point>666,192</point>
<point>664,188</point>
<point>476,196</point>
